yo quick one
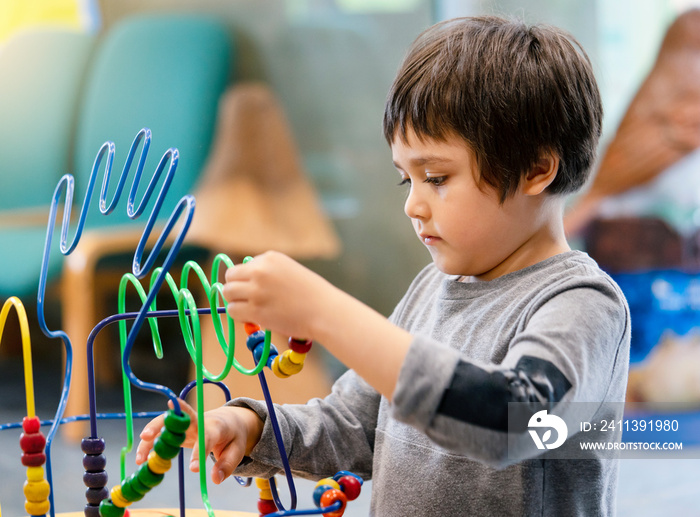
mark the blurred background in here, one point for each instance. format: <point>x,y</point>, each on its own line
<point>275,107</point>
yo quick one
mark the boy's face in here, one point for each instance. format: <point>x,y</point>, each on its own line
<point>463,225</point>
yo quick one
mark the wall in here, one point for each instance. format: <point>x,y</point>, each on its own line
<point>331,68</point>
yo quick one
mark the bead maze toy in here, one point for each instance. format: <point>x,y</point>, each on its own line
<point>330,496</point>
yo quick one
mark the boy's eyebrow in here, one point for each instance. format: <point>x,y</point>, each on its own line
<point>422,160</point>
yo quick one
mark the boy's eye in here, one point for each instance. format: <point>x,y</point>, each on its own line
<point>435,180</point>
<point>404,181</point>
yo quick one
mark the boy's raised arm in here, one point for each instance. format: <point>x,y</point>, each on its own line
<point>278,293</point>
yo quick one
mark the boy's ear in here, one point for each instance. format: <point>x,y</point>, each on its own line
<point>542,174</point>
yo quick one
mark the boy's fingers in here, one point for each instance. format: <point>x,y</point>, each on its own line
<point>228,460</point>
<point>148,435</point>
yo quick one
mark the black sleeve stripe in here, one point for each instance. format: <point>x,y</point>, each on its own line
<point>481,398</point>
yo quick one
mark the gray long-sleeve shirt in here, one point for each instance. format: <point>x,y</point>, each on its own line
<point>555,332</point>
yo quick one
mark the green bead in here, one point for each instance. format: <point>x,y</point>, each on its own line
<point>108,509</point>
<point>171,438</point>
<point>137,485</point>
<point>177,423</point>
<point>129,492</point>
<point>164,449</point>
<point>147,477</point>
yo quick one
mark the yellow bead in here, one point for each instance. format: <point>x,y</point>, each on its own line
<point>276,369</point>
<point>295,357</point>
<point>36,491</point>
<point>41,508</point>
<point>35,473</point>
<point>330,482</point>
<point>118,498</point>
<point>287,366</point>
<point>157,464</point>
<point>262,483</point>
<point>265,493</point>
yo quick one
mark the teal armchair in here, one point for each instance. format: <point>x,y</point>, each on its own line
<point>41,72</point>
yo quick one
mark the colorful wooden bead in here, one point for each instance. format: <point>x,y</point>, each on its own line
<point>172,438</point>
<point>36,491</point>
<point>35,473</point>
<point>342,473</point>
<point>165,450</point>
<point>94,462</point>
<point>95,479</point>
<point>147,477</point>
<point>318,492</point>
<point>31,425</point>
<point>109,509</point>
<point>276,369</point>
<point>137,484</point>
<point>39,508</point>
<point>266,506</point>
<point>251,327</point>
<point>301,346</point>
<point>95,496</point>
<point>35,459</point>
<point>255,339</point>
<point>330,482</point>
<point>92,445</point>
<point>92,510</point>
<point>32,442</point>
<point>330,497</point>
<point>296,357</point>
<point>130,493</point>
<point>118,498</point>
<point>258,352</point>
<point>177,423</point>
<point>350,486</point>
<point>157,464</point>
<point>286,366</point>
<point>262,483</point>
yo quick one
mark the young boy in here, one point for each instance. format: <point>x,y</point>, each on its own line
<point>490,123</point>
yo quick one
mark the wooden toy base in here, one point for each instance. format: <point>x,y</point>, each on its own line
<point>173,512</point>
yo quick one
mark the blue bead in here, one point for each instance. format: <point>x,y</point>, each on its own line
<point>342,473</point>
<point>273,353</point>
<point>257,353</point>
<point>254,339</point>
<point>318,492</point>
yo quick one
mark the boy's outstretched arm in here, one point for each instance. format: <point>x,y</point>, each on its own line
<point>231,433</point>
<point>278,293</point>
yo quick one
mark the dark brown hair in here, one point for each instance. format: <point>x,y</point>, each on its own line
<point>511,91</point>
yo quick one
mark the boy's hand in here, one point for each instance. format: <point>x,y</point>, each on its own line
<point>278,293</point>
<point>230,433</point>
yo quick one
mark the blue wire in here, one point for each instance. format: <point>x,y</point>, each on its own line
<point>67,184</point>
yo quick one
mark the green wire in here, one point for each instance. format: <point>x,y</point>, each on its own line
<point>192,335</point>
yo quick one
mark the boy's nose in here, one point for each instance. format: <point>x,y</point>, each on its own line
<point>415,207</point>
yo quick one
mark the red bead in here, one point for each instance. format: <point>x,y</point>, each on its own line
<point>331,496</point>
<point>266,506</point>
<point>34,459</point>
<point>301,346</point>
<point>350,486</point>
<point>31,425</point>
<point>32,442</point>
<point>251,327</point>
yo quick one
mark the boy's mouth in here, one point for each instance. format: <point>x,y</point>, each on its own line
<point>428,240</point>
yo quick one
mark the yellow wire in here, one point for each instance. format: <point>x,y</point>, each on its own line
<point>26,347</point>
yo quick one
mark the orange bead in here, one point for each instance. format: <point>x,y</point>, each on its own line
<point>333,496</point>
<point>251,327</point>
